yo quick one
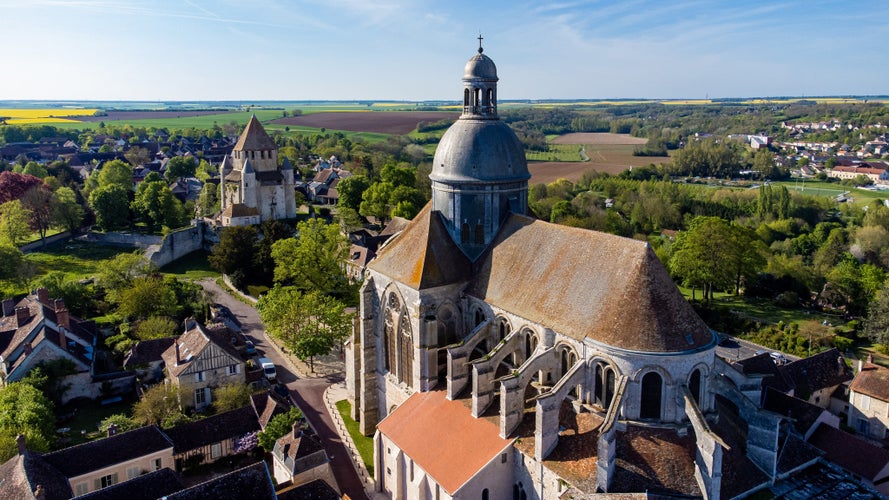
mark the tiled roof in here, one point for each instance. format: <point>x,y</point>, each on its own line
<point>823,370</point>
<point>151,486</point>
<point>210,430</point>
<point>147,351</point>
<point>803,413</point>
<point>292,447</point>
<point>191,344</point>
<point>239,210</point>
<point>852,453</point>
<point>429,417</point>
<point>606,288</point>
<point>316,490</point>
<point>252,482</point>
<point>423,255</point>
<point>872,380</point>
<point>266,406</point>
<point>254,137</point>
<point>653,459</point>
<point>760,364</point>
<point>21,474</point>
<point>83,458</point>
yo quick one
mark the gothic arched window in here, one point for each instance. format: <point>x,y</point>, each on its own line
<point>406,351</point>
<point>650,404</point>
<point>390,339</point>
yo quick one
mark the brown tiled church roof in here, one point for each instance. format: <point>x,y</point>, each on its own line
<point>587,284</point>
<point>429,417</point>
<point>423,255</point>
<point>254,138</point>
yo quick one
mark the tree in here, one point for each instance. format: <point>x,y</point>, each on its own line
<point>37,201</point>
<point>764,164</point>
<point>67,213</point>
<point>155,327</point>
<point>146,297</point>
<point>375,202</point>
<point>10,261</point>
<point>123,423</point>
<point>231,397</point>
<point>156,206</point>
<point>116,173</point>
<point>25,410</point>
<point>14,219</point>
<point>14,185</point>
<point>159,405</point>
<point>137,156</point>
<point>119,272</point>
<point>279,426</point>
<point>111,205</point>
<point>208,201</point>
<point>234,253</point>
<point>180,166</point>
<point>876,325</point>
<point>310,324</point>
<point>314,259</point>
<point>350,190</point>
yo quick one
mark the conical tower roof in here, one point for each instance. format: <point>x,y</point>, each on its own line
<point>254,138</point>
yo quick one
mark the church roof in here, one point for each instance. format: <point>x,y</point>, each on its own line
<point>429,417</point>
<point>587,284</point>
<point>254,137</point>
<point>479,151</point>
<point>423,255</point>
<point>239,210</point>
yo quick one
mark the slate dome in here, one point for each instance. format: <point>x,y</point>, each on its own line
<point>480,66</point>
<point>479,151</point>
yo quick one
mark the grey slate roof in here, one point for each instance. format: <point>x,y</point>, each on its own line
<point>22,474</point>
<point>151,486</point>
<point>210,430</point>
<point>83,458</point>
<point>252,482</point>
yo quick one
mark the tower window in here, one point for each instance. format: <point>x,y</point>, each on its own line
<point>464,233</point>
<point>479,234</point>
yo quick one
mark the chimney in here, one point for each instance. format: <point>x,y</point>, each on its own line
<point>870,358</point>
<point>190,323</point>
<point>296,430</point>
<point>39,494</point>
<point>21,444</point>
<point>43,296</point>
<point>112,429</point>
<point>841,365</point>
<point>860,365</point>
<point>22,315</point>
<point>176,345</point>
<point>62,318</point>
<point>8,307</point>
<point>58,304</point>
<point>63,341</point>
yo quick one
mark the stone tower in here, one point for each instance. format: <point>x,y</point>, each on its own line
<point>479,171</point>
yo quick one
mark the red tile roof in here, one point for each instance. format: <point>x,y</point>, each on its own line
<point>427,418</point>
<point>873,381</point>
<point>852,453</point>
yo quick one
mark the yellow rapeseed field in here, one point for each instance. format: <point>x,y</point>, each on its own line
<point>15,116</point>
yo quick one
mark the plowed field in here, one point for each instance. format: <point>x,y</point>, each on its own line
<point>384,122</point>
<point>144,115</point>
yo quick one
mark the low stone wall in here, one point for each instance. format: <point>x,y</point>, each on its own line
<point>176,244</point>
<point>133,240</point>
<point>48,241</point>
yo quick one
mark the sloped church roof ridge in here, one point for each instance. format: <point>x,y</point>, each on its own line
<point>254,137</point>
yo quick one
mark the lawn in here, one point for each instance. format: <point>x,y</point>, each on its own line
<point>364,444</point>
<point>76,259</point>
<point>763,310</point>
<point>193,266</point>
<point>87,415</point>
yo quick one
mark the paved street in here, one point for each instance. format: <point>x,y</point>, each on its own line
<point>307,391</point>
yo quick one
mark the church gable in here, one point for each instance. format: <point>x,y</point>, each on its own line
<point>423,255</point>
<point>587,284</point>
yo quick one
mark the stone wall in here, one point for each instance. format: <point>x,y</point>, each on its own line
<point>176,244</point>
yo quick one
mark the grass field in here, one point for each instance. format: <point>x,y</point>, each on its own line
<point>831,190</point>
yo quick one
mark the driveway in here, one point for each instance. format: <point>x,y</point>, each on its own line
<point>308,392</point>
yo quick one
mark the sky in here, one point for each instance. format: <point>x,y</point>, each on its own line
<point>414,50</point>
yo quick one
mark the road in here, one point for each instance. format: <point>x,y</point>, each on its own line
<point>307,392</point>
<point>733,349</point>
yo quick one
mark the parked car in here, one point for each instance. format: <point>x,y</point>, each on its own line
<point>268,369</point>
<point>250,348</point>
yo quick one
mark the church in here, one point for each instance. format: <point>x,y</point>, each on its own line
<point>500,356</point>
<point>253,187</point>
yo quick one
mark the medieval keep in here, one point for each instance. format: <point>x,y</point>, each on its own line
<point>253,187</point>
<point>500,356</point>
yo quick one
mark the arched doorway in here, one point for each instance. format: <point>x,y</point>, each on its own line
<point>650,404</point>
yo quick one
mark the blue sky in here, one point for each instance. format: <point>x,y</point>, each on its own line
<point>415,50</point>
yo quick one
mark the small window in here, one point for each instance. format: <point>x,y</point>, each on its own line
<point>199,376</point>
<point>464,233</point>
<point>106,481</point>
<point>215,451</point>
<point>234,369</point>
<point>81,489</point>
<point>158,464</point>
<point>132,472</point>
<point>200,397</point>
<point>503,458</point>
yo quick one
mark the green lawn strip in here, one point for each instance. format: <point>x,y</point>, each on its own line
<point>364,444</point>
<point>76,259</point>
<point>192,266</point>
